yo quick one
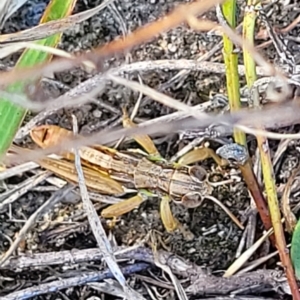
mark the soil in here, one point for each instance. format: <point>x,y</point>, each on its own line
<point>215,238</point>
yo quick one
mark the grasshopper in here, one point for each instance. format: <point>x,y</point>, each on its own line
<point>111,172</point>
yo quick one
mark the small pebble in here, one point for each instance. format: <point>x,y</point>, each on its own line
<point>191,250</point>
<point>221,234</point>
<point>172,48</point>
<point>97,113</point>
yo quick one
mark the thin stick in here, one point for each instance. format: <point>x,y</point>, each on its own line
<point>97,228</point>
<point>55,198</point>
<point>74,281</point>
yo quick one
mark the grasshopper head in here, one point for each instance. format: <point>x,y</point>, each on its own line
<point>191,187</point>
<point>201,188</point>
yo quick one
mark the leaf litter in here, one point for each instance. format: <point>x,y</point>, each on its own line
<point>215,237</point>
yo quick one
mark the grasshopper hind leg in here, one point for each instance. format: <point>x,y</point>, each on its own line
<point>142,139</point>
<point>123,207</point>
<point>200,154</point>
<point>169,221</point>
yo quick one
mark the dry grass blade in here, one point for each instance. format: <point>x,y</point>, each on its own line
<point>172,103</point>
<point>22,189</point>
<point>119,46</point>
<point>246,255</point>
<point>8,50</point>
<point>157,96</point>
<point>283,145</point>
<point>8,7</point>
<point>255,263</point>
<point>13,171</point>
<point>98,230</point>
<point>12,115</point>
<point>55,198</point>
<point>248,33</point>
<point>290,219</point>
<point>109,286</point>
<point>84,91</point>
<point>269,134</point>
<point>5,11</point>
<point>270,117</point>
<point>268,68</point>
<point>65,101</point>
<point>227,211</point>
<point>22,100</point>
<point>44,30</point>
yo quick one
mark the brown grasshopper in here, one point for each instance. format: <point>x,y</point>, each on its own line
<point>111,172</point>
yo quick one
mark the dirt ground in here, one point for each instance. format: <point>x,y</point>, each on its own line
<point>215,238</point>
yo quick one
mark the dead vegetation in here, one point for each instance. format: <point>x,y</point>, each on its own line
<point>159,60</point>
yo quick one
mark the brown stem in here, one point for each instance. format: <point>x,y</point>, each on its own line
<point>258,197</point>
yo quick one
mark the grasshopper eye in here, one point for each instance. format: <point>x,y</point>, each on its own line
<point>197,173</point>
<point>191,200</point>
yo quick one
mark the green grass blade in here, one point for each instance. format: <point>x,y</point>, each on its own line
<point>11,115</point>
<point>231,63</point>
<point>248,34</point>
<point>295,250</point>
